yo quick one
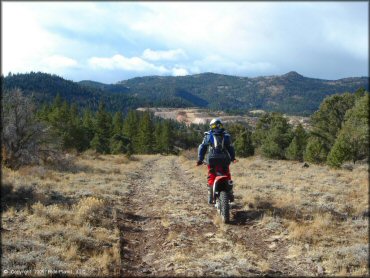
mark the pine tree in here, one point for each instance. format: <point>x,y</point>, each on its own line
<point>118,142</point>
<point>57,103</point>
<point>327,122</point>
<point>129,150</point>
<point>103,124</point>
<point>117,123</point>
<point>88,126</point>
<point>166,138</point>
<point>353,140</point>
<point>278,137</point>
<point>297,147</point>
<point>262,128</point>
<point>146,138</point>
<point>158,130</point>
<point>131,129</point>
<point>244,145</point>
<point>76,131</point>
<point>315,150</point>
<point>59,118</point>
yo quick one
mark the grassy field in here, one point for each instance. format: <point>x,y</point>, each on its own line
<point>64,219</point>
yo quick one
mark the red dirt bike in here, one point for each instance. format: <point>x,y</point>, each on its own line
<point>222,190</point>
<point>223,195</point>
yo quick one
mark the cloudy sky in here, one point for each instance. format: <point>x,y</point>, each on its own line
<point>113,41</point>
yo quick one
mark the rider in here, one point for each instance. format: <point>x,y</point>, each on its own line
<point>220,153</point>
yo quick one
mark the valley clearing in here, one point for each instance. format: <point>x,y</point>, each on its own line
<point>107,215</point>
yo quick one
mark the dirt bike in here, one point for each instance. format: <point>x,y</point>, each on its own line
<point>222,190</point>
<point>223,194</point>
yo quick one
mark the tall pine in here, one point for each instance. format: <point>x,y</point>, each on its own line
<point>353,139</point>
<point>244,145</point>
<point>131,129</point>
<point>297,147</point>
<point>146,139</point>
<point>103,124</point>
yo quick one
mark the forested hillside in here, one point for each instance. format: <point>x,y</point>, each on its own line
<point>290,93</point>
<point>45,87</point>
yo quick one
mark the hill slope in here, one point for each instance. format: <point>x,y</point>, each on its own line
<point>290,93</point>
<point>44,88</point>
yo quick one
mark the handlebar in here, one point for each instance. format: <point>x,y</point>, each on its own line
<point>204,163</point>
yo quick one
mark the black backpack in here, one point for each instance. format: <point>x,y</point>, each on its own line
<point>217,154</point>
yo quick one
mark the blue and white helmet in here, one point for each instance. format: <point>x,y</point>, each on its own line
<point>216,123</point>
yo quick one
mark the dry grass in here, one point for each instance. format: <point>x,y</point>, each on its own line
<point>60,218</point>
<point>318,207</point>
<point>321,207</point>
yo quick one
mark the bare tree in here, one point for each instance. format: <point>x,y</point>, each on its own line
<point>25,140</point>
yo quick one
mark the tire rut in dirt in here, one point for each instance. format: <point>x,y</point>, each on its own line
<point>158,215</point>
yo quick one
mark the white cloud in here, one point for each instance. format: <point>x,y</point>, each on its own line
<point>121,62</point>
<point>156,55</point>
<point>179,71</point>
<point>25,43</point>
<point>215,63</point>
<point>176,38</point>
<point>59,61</point>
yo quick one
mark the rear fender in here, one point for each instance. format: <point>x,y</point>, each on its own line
<point>221,183</point>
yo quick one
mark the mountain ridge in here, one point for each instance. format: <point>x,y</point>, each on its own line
<point>290,93</point>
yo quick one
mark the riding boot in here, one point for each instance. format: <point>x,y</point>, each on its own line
<point>210,195</point>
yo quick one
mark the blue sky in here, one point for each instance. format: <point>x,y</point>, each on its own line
<point>113,41</point>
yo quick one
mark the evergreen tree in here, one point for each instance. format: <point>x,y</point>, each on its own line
<point>158,130</point>
<point>297,147</point>
<point>278,137</point>
<point>101,140</point>
<point>166,137</point>
<point>315,150</point>
<point>129,150</point>
<point>243,144</point>
<point>88,126</point>
<point>131,129</point>
<point>76,132</point>
<point>60,118</point>
<point>235,129</point>
<point>57,103</point>
<point>353,140</point>
<point>117,123</point>
<point>146,138</point>
<point>327,122</point>
<point>118,142</point>
<point>262,128</point>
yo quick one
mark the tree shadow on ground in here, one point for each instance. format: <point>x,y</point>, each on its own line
<point>26,196</point>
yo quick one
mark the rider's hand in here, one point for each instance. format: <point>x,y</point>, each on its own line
<point>235,161</point>
<point>199,163</point>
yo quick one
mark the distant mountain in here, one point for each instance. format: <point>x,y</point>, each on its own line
<point>44,87</point>
<point>290,93</point>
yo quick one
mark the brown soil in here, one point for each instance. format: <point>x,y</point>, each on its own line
<point>168,229</point>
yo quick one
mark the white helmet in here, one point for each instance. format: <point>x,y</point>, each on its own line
<point>216,123</point>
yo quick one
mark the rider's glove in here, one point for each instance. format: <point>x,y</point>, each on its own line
<point>199,162</point>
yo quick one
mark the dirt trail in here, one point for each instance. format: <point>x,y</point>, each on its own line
<point>168,229</point>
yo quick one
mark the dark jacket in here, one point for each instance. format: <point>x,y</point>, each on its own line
<point>208,142</point>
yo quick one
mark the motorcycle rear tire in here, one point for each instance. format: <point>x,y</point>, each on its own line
<point>224,207</point>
